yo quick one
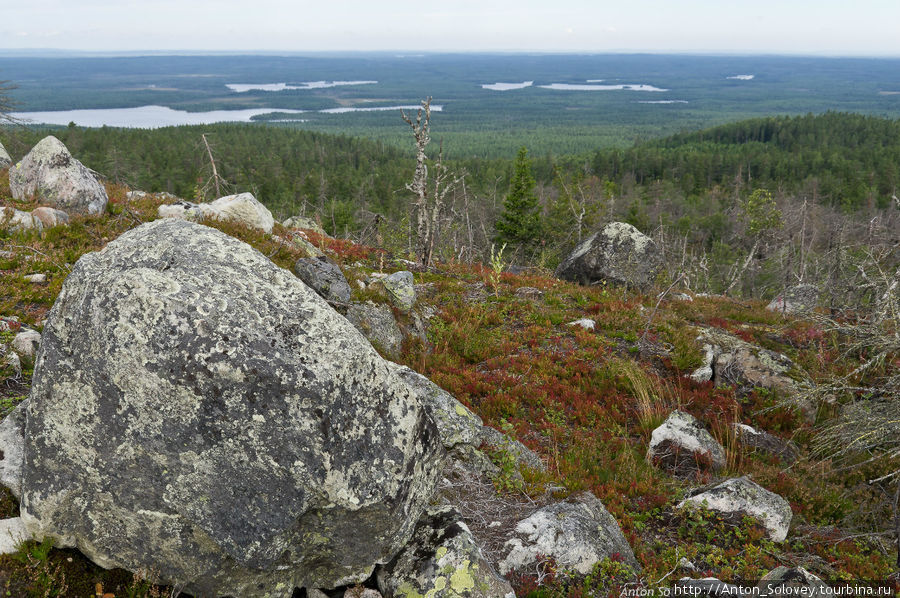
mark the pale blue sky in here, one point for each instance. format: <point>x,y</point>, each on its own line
<point>837,27</point>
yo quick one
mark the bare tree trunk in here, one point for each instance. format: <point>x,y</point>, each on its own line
<point>740,272</point>
<point>215,173</point>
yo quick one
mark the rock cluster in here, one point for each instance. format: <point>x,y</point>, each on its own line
<point>242,208</point>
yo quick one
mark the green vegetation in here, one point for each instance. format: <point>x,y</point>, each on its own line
<point>519,224</point>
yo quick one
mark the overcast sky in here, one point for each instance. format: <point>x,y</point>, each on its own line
<point>836,27</point>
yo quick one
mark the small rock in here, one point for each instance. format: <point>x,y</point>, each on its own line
<point>50,217</point>
<point>705,372</point>
<point>36,278</point>
<point>26,342</point>
<point>304,223</point>
<point>442,560</point>
<point>184,210</point>
<point>575,533</point>
<point>12,534</point>
<point>323,276</point>
<point>243,208</point>
<point>586,323</point>
<point>741,496</point>
<point>360,592</point>
<point>683,297</point>
<point>401,290</point>
<point>763,441</point>
<point>683,445</point>
<point>17,220</point>
<point>12,361</point>
<point>55,178</point>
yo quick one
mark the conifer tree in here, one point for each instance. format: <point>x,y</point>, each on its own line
<point>519,224</point>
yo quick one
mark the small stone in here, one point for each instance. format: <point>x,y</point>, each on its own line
<point>12,534</point>
<point>50,217</point>
<point>323,276</point>
<point>684,446</point>
<point>36,278</point>
<point>26,342</point>
<point>529,293</point>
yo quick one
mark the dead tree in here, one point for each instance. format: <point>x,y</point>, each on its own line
<point>427,209</point>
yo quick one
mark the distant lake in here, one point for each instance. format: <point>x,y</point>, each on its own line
<point>152,117</point>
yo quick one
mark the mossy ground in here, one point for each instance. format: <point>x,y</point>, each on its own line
<point>586,401</point>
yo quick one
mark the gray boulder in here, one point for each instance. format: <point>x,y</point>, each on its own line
<point>576,533</point>
<point>797,299</point>
<point>764,442</point>
<point>401,290</point>
<point>243,208</point>
<point>5,159</point>
<point>185,210</point>
<point>377,323</point>
<point>619,254</point>
<point>742,496</point>
<point>50,174</point>
<point>442,561</point>
<point>324,277</point>
<point>684,446</point>
<point>12,449</point>
<point>199,412</point>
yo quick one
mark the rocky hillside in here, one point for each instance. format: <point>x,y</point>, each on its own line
<point>199,399</point>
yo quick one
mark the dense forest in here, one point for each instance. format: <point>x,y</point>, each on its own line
<point>830,176</point>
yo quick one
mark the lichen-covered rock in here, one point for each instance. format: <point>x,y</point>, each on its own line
<point>575,533</point>
<point>442,560</point>
<point>377,323</point>
<point>55,178</point>
<point>5,159</point>
<point>26,342</point>
<point>795,300</point>
<point>243,208</point>
<point>50,217</point>
<point>401,290</point>
<point>456,424</point>
<point>742,496</point>
<point>764,442</point>
<point>12,449</point>
<point>324,277</point>
<point>304,223</point>
<point>17,220</point>
<point>585,323</point>
<point>684,446</point>
<point>529,293</point>
<point>619,254</point>
<point>201,413</point>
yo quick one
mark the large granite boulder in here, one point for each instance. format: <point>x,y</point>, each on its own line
<point>619,254</point>
<point>742,496</point>
<point>50,174</point>
<point>199,412</point>
<point>5,159</point>
<point>575,533</point>
<point>324,276</point>
<point>442,560</point>
<point>683,445</point>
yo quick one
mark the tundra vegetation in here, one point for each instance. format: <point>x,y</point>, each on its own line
<point>739,214</point>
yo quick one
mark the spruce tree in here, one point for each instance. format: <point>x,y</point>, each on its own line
<point>520,223</point>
